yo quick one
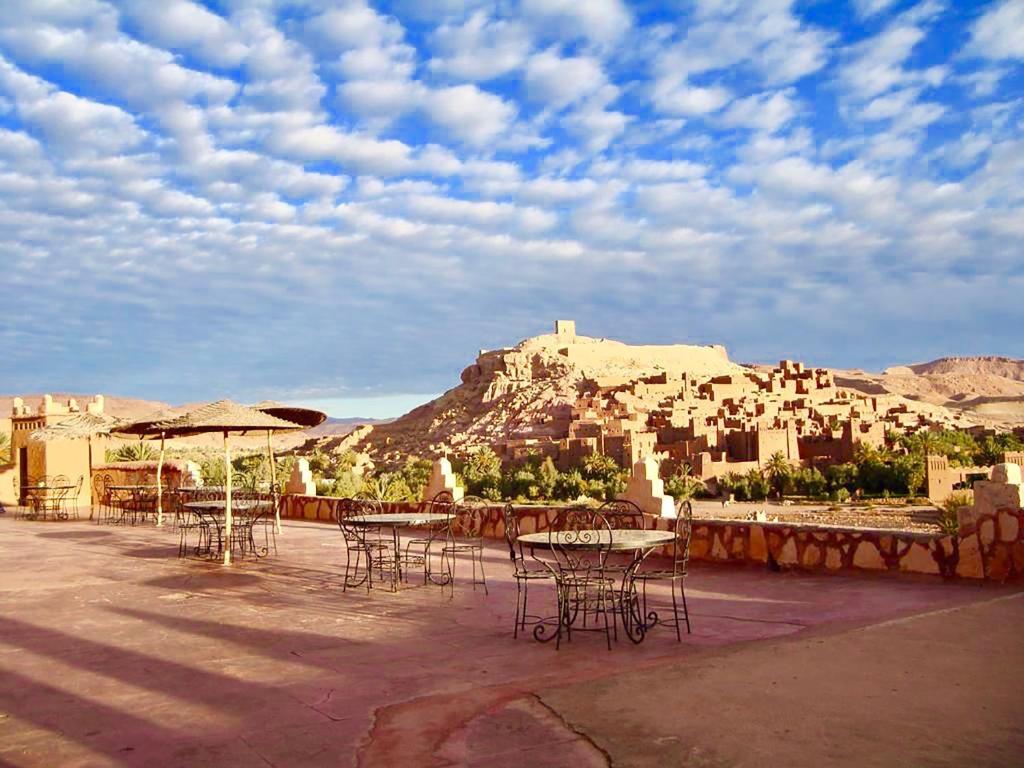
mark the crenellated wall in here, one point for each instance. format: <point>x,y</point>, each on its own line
<point>990,549</point>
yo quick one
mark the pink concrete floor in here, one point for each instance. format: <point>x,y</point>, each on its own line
<point>115,652</point>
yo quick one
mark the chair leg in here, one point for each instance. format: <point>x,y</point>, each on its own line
<point>604,610</point>
<point>483,576</point>
<point>675,612</point>
<point>519,602</point>
<point>526,599</point>
<point>686,611</point>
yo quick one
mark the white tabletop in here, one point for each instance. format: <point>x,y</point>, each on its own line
<point>616,539</point>
<point>399,518</point>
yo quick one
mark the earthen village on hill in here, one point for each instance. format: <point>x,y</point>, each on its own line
<point>567,396</point>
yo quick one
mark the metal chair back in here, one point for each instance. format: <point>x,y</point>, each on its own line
<point>581,544</point>
<point>624,514</point>
<point>684,532</point>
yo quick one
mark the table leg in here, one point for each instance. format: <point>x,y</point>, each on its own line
<point>634,622</point>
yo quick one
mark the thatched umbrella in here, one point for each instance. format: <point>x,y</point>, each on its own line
<point>222,416</point>
<point>304,417</point>
<point>81,426</point>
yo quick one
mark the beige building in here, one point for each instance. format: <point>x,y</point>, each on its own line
<point>31,461</point>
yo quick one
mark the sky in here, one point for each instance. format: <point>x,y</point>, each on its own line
<point>343,202</point>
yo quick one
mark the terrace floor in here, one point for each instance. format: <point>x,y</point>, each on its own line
<point>115,652</point>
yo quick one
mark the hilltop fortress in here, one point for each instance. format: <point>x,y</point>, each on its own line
<point>567,396</point>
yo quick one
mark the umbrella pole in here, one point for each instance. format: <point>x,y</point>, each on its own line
<point>227,500</point>
<point>160,485</point>
<point>273,483</point>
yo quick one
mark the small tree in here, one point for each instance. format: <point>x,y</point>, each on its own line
<point>757,485</point>
<point>139,451</point>
<point>683,485</point>
<point>482,474</point>
<point>547,478</point>
<point>570,485</point>
<point>778,470</point>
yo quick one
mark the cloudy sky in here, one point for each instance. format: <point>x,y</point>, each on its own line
<point>343,200</point>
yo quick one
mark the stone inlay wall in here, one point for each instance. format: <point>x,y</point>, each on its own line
<point>991,549</point>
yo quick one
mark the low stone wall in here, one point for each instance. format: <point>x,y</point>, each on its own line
<point>991,549</point>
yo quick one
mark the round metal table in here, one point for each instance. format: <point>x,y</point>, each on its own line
<point>38,499</point>
<point>621,539</point>
<point>395,521</point>
<point>641,543</point>
<point>135,495</point>
<point>216,510</point>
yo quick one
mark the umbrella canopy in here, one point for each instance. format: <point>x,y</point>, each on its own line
<point>222,416</point>
<point>306,417</point>
<point>78,427</point>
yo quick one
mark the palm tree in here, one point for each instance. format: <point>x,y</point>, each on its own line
<point>777,470</point>
<point>135,452</point>
<point>5,448</point>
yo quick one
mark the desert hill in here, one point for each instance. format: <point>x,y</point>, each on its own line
<point>987,390</point>
<point>529,392</point>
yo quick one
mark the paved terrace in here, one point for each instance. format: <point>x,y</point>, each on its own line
<point>113,652</point>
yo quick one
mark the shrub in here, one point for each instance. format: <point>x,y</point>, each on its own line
<point>948,510</point>
<point>840,494</point>
<point>570,485</point>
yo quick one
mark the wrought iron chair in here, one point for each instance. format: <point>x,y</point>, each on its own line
<point>419,550</point>
<point>27,501</point>
<point>362,545</point>
<point>466,536</point>
<point>101,495</point>
<point>676,575</point>
<point>54,499</point>
<point>268,521</point>
<point>189,520</point>
<point>622,514</point>
<point>580,544</point>
<point>521,572</point>
<point>70,501</point>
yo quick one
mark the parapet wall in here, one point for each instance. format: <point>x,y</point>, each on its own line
<point>991,549</point>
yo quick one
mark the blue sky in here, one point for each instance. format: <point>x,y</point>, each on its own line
<point>330,201</point>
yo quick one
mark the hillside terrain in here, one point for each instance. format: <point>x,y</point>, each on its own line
<point>986,390</point>
<point>536,391</point>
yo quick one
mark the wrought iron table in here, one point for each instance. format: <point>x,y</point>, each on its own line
<point>216,511</point>
<point>41,497</point>
<point>396,521</point>
<point>133,498</point>
<point>640,542</point>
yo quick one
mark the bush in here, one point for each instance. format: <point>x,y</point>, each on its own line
<point>570,485</point>
<point>840,495</point>
<point>947,512</point>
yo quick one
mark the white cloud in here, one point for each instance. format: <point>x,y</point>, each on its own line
<point>868,8</point>
<point>67,122</point>
<point>356,25</point>
<point>470,114</point>
<point>768,112</point>
<point>999,33</point>
<point>691,100</point>
<point>136,74</point>
<point>601,21</point>
<point>186,25</point>
<point>480,48</point>
<point>559,81</point>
